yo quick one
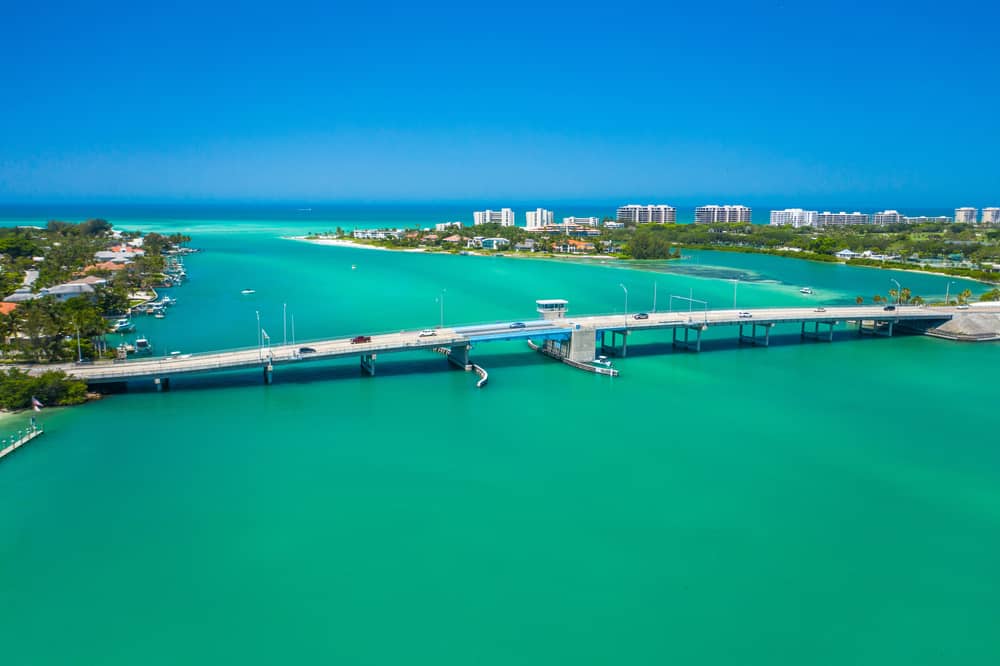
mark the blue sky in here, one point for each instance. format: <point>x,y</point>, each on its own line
<point>895,104</point>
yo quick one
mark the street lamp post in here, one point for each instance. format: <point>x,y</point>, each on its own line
<point>258,335</point>
<point>899,291</point>
<point>947,290</point>
<point>284,323</point>
<point>440,300</point>
<point>626,303</point>
<point>79,352</point>
<point>736,283</point>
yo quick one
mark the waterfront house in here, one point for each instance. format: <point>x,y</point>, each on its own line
<point>431,238</point>
<point>377,234</point>
<point>474,243</point>
<point>494,243</point>
<point>525,246</point>
<point>847,254</point>
<point>573,246</point>
<point>454,238</point>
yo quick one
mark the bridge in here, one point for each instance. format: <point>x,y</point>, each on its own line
<point>578,340</point>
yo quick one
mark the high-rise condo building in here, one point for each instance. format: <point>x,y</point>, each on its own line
<point>581,221</point>
<point>888,217</point>
<point>539,218</point>
<point>966,214</point>
<point>923,219</point>
<point>991,215</point>
<point>828,219</point>
<point>504,217</point>
<point>794,216</point>
<point>636,214</point>
<point>725,214</point>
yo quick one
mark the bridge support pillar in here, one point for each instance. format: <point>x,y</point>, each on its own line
<point>459,357</point>
<point>268,374</point>
<point>687,343</point>
<point>880,328</point>
<point>162,383</point>
<point>613,348</point>
<point>815,334</point>
<point>368,364</point>
<point>753,339</point>
<point>582,345</point>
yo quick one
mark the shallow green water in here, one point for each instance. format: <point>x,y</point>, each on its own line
<point>806,503</point>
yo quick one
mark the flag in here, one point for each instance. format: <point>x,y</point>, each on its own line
<point>36,404</point>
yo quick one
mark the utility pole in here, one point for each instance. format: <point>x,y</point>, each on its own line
<point>736,283</point>
<point>293,330</point>
<point>79,353</point>
<point>654,296</point>
<point>284,324</point>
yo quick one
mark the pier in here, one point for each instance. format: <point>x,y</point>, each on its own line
<point>576,339</point>
<point>19,439</point>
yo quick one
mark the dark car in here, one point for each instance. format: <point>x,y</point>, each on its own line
<point>518,324</point>
<point>640,315</point>
<point>889,307</point>
<point>306,350</point>
<point>359,339</point>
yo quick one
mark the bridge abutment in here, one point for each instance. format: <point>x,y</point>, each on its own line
<point>878,327</point>
<point>582,345</point>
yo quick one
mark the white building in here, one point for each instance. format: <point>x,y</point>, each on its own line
<point>636,214</point>
<point>444,226</point>
<point>888,217</point>
<point>794,216</point>
<point>539,218</point>
<point>923,218</point>
<point>581,222</point>
<point>991,216</point>
<point>504,217</point>
<point>614,225</point>
<point>828,219</point>
<point>721,214</point>
<point>966,214</point>
<point>377,234</point>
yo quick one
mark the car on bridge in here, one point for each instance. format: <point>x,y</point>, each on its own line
<point>306,350</point>
<point>743,314</point>
<point>820,309</point>
<point>518,324</point>
<point>889,308</point>
<point>640,315</point>
<point>360,339</point>
<point>427,332</point>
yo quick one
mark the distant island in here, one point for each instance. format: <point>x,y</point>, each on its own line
<point>948,248</point>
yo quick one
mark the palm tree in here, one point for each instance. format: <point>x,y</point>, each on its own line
<point>904,294</point>
<point>877,298</point>
<point>918,300</point>
<point>859,300</point>
<point>964,296</point>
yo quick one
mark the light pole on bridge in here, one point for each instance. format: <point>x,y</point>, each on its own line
<point>899,291</point>
<point>626,303</point>
<point>947,290</point>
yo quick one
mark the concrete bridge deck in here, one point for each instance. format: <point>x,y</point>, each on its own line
<point>462,338</point>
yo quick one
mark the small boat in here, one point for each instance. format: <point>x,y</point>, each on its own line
<point>602,361</point>
<point>175,354</point>
<point>123,325</point>
<point>354,267</point>
<point>166,300</point>
<point>142,346</point>
<point>805,290</point>
<point>159,315</point>
<point>248,291</point>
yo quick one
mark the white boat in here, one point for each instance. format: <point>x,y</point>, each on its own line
<point>805,290</point>
<point>142,346</point>
<point>248,291</point>
<point>123,325</point>
<point>166,300</point>
<point>602,361</point>
<point>159,315</point>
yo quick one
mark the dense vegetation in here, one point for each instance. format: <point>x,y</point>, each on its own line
<point>52,388</point>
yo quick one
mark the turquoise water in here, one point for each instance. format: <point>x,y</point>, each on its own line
<point>805,503</point>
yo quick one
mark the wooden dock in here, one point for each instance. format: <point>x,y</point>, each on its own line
<point>19,439</point>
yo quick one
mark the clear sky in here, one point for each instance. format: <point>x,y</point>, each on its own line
<point>894,104</point>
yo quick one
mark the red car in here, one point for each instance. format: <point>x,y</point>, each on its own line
<point>359,339</point>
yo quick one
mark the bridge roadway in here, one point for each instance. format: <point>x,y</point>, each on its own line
<point>463,336</point>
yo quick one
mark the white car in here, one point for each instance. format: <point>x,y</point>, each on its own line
<point>427,332</point>
<point>963,306</point>
<point>744,314</point>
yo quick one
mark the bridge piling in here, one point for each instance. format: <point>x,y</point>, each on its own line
<point>815,333</point>
<point>162,383</point>
<point>686,342</point>
<point>368,364</point>
<point>613,347</point>
<point>268,374</point>
<point>753,339</point>
<point>459,357</point>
